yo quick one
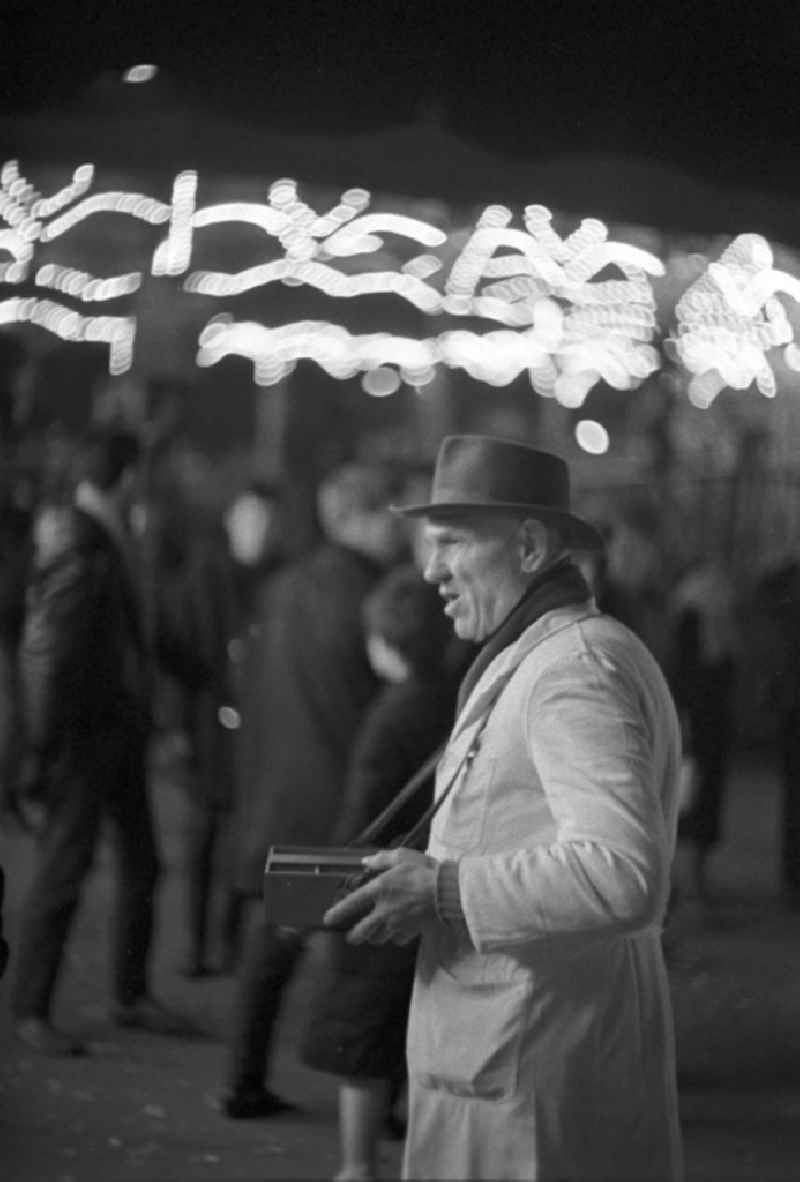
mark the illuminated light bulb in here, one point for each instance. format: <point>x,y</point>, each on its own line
<point>730,317</point>
<point>703,389</point>
<point>537,215</point>
<point>381,382</point>
<point>571,389</point>
<point>362,234</point>
<point>591,232</point>
<point>140,73</point>
<point>422,266</point>
<point>483,244</point>
<point>12,272</point>
<point>82,179</point>
<point>514,290</point>
<point>505,265</point>
<point>357,199</point>
<point>538,224</point>
<point>172,256</point>
<point>419,378</point>
<point>791,355</point>
<point>229,717</point>
<point>517,315</point>
<point>267,219</point>
<point>592,437</point>
<point>603,254</point>
<point>283,191</point>
<point>9,173</point>
<point>136,205</point>
<point>495,217</point>
<point>548,323</point>
<point>543,377</point>
<point>117,331</point>
<point>765,382</point>
<point>18,188</point>
<point>13,242</point>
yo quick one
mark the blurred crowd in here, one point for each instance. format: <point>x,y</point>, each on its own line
<point>292,694</point>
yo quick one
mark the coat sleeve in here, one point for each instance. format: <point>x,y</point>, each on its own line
<point>54,647</point>
<point>607,871</point>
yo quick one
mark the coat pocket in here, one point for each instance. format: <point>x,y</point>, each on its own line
<point>466,1038</point>
<point>459,825</point>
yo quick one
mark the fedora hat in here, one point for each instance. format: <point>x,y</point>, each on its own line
<point>478,473</point>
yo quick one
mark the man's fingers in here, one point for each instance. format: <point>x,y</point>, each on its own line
<point>368,932</point>
<point>383,860</point>
<point>351,908</point>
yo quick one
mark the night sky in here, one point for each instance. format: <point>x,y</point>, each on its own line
<point>709,86</point>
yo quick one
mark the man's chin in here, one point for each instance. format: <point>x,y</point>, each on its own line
<point>462,630</point>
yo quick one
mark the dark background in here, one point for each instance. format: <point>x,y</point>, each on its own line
<point>708,86</point>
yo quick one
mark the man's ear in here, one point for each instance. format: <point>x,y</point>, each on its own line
<point>533,545</point>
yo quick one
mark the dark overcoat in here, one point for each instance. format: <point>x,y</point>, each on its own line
<point>357,1026</point>
<point>84,661</point>
<point>305,685</point>
<point>198,619</point>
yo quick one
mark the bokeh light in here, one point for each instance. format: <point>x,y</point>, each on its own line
<point>592,437</point>
<point>140,73</point>
<point>381,382</point>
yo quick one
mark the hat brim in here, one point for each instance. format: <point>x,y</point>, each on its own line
<point>578,534</point>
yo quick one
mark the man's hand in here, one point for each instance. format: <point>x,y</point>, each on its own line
<point>400,901</point>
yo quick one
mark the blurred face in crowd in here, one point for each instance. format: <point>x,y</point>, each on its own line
<point>482,566</point>
<point>382,535</point>
<point>252,527</point>
<point>385,660</point>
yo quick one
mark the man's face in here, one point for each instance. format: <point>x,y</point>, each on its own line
<point>476,566</point>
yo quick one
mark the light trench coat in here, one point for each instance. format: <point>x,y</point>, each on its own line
<point>540,1040</point>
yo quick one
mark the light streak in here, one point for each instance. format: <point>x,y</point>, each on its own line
<point>555,319</point>
<point>136,205</point>
<point>729,319</point>
<point>117,331</point>
<point>86,287</point>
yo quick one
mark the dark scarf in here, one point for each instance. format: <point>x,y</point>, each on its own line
<point>561,585</point>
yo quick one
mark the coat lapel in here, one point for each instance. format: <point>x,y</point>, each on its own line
<point>494,678</point>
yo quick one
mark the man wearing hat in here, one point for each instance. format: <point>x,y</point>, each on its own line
<point>540,1041</point>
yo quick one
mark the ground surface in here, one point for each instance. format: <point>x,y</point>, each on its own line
<point>144,1109</point>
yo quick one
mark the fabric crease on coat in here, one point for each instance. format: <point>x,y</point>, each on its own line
<point>540,1039</point>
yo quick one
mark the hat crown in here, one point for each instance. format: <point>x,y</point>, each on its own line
<point>483,471</point>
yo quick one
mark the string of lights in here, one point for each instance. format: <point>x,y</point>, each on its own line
<point>556,312</point>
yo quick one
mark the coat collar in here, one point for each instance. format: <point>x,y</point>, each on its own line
<point>502,668</point>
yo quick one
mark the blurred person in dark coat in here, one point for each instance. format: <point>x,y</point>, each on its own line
<point>778,603</point>
<point>306,683</point>
<point>197,622</point>
<point>357,1029</point>
<point>15,559</point>
<point>703,667</point>
<point>85,677</point>
<point>3,941</point>
<point>255,528</point>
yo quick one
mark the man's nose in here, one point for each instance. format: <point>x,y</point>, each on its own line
<point>433,571</point>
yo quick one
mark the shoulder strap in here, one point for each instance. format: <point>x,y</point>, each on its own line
<point>416,782</point>
<point>409,790</point>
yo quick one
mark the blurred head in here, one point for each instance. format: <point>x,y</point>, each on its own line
<point>252,524</point>
<point>405,628</point>
<point>483,562</point>
<point>353,504</point>
<point>109,458</point>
